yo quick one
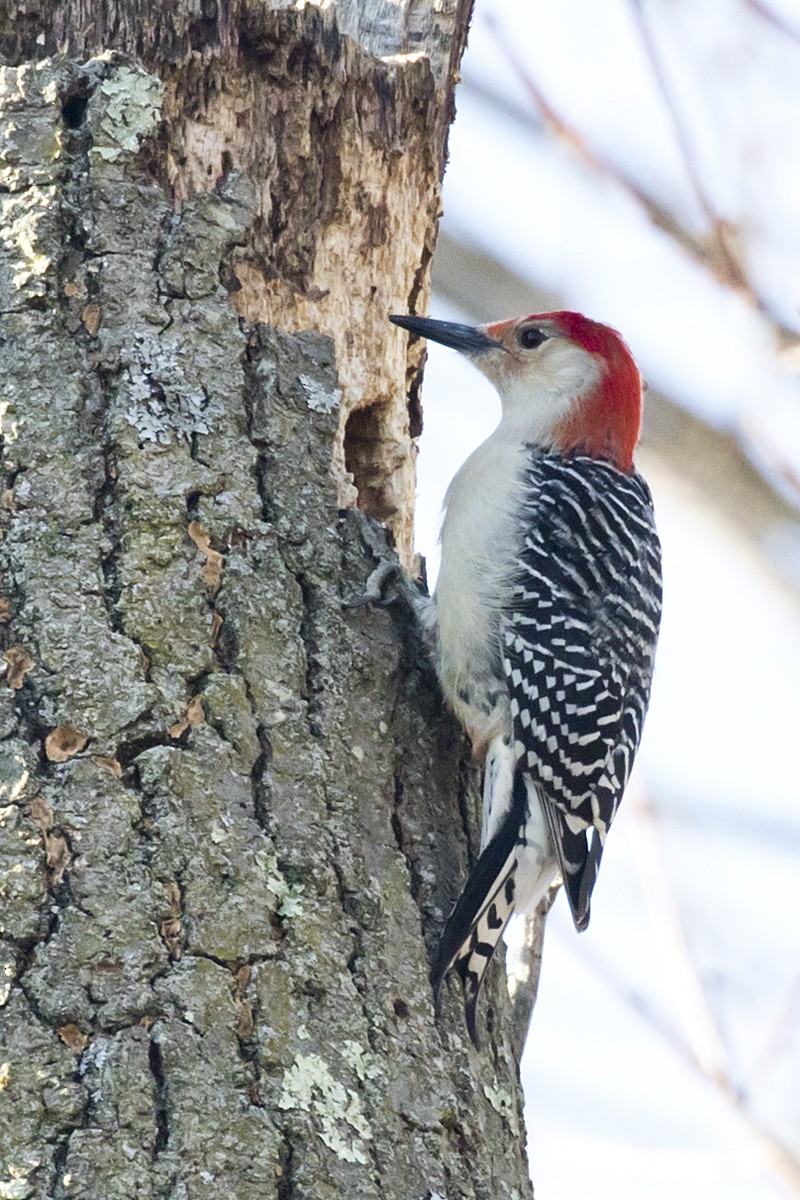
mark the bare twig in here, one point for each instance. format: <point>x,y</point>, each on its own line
<point>523,972</point>
<point>661,217</point>
<point>731,268</point>
<point>701,1046</point>
<point>662,905</point>
<point>782,1158</point>
<point>718,259</point>
<point>779,1035</point>
<point>773,19</point>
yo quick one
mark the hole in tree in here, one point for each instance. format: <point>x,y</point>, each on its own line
<point>204,32</point>
<point>415,407</point>
<point>372,456</point>
<point>73,111</point>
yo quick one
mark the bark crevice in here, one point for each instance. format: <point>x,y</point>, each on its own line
<point>161,1093</point>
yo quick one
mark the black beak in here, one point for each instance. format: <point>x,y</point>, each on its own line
<point>466,338</point>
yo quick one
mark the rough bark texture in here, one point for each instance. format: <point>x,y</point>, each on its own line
<point>232,814</point>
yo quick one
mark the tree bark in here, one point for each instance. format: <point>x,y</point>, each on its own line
<point>233,815</point>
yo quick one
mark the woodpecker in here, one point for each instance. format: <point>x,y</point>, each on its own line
<point>545,617</point>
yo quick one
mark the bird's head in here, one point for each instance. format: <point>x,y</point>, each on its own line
<point>566,383</point>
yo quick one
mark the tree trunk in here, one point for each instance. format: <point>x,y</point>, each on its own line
<point>233,815</point>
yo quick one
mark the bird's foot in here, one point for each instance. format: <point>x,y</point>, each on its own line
<point>388,584</point>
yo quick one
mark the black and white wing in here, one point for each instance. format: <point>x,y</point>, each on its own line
<point>579,641</point>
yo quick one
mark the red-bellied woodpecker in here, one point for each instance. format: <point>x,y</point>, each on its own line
<point>545,616</point>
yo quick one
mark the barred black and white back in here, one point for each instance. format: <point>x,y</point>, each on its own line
<point>578,641</point>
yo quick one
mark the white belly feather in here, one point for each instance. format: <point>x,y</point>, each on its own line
<point>480,541</point>
<point>480,535</point>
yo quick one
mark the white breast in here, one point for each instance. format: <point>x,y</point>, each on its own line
<point>479,540</point>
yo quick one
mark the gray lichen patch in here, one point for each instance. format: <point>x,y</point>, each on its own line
<point>26,222</point>
<point>320,399</point>
<point>229,711</point>
<point>99,966</point>
<point>504,1104</point>
<point>269,616</point>
<point>30,152</point>
<point>87,673</point>
<point>213,1130</point>
<point>201,993</point>
<point>31,131</point>
<point>202,233</point>
<point>130,110</point>
<point>335,1110</point>
<point>156,397</point>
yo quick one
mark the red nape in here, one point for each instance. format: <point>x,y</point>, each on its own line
<point>606,422</point>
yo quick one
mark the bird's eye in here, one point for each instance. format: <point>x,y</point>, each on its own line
<point>530,337</point>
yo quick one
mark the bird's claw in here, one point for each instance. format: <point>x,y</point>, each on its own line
<point>389,587</point>
<point>381,588</point>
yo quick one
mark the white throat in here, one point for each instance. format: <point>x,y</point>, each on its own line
<point>539,395</point>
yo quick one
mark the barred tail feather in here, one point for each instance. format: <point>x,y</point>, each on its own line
<point>579,863</point>
<point>483,910</point>
<point>477,952</point>
<point>589,875</point>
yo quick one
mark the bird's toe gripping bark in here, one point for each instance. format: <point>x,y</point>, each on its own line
<point>390,587</point>
<point>386,585</point>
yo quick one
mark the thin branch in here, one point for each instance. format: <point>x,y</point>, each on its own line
<point>661,898</point>
<point>773,19</point>
<point>719,262</point>
<point>703,1050</point>
<point>707,1046</point>
<point>784,1161</point>
<point>661,217</point>
<point>523,968</point>
<point>732,272</point>
<point>780,1034</point>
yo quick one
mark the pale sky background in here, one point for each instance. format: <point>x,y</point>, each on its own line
<point>664,1057</point>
